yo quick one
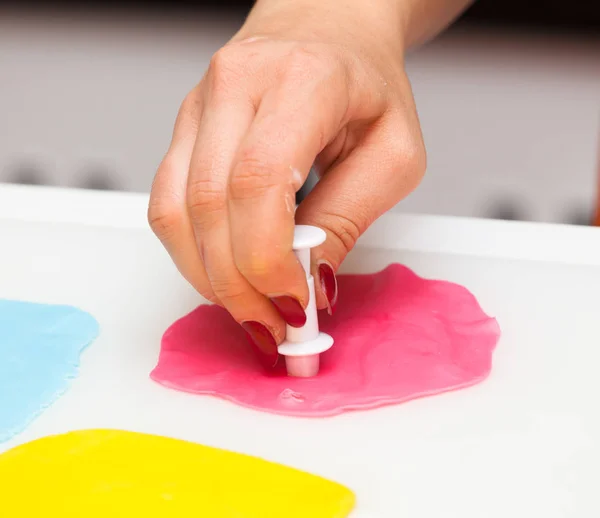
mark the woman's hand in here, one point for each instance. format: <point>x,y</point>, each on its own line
<point>301,84</point>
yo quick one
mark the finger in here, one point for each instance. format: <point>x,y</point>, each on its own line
<point>226,117</point>
<point>167,210</point>
<point>385,168</point>
<point>271,164</point>
<point>294,123</point>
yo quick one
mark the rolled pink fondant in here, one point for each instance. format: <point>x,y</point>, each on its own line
<point>397,337</point>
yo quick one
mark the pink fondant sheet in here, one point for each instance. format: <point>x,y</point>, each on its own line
<point>397,337</point>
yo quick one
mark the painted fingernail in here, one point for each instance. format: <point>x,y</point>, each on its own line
<point>263,342</point>
<point>290,310</point>
<point>329,285</point>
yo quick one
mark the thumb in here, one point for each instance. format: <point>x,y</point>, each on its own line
<point>353,194</point>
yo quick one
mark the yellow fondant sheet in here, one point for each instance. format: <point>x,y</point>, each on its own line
<point>109,473</point>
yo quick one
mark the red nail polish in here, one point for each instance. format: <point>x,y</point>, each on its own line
<point>329,285</point>
<point>263,341</point>
<point>290,310</point>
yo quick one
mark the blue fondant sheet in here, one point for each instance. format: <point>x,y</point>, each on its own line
<point>40,345</point>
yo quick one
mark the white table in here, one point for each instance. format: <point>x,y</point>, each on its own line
<point>525,443</point>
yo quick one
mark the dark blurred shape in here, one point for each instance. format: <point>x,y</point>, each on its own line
<point>580,217</point>
<point>99,180</point>
<point>572,16</point>
<point>303,193</point>
<point>162,7</point>
<point>308,186</point>
<point>506,210</point>
<point>27,174</point>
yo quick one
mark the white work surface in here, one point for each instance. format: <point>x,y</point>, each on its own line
<point>524,443</point>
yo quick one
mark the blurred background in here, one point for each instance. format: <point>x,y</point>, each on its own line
<point>509,100</point>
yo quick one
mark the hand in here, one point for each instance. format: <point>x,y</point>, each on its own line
<point>290,90</point>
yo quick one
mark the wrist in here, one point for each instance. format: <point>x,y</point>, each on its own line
<point>373,23</point>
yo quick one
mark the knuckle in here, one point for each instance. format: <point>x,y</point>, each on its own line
<point>190,105</point>
<point>416,162</point>
<point>221,62</point>
<point>346,230</point>
<point>228,291</point>
<point>164,218</point>
<point>253,176</point>
<point>205,196</point>
<point>410,159</point>
<point>223,71</point>
<point>414,155</point>
<point>164,211</point>
<point>189,111</point>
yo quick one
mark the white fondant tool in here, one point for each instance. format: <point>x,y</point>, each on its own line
<point>303,345</point>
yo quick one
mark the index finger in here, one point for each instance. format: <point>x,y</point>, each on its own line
<point>295,121</point>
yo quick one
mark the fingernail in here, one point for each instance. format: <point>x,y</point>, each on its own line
<point>329,285</point>
<point>290,310</point>
<point>263,341</point>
